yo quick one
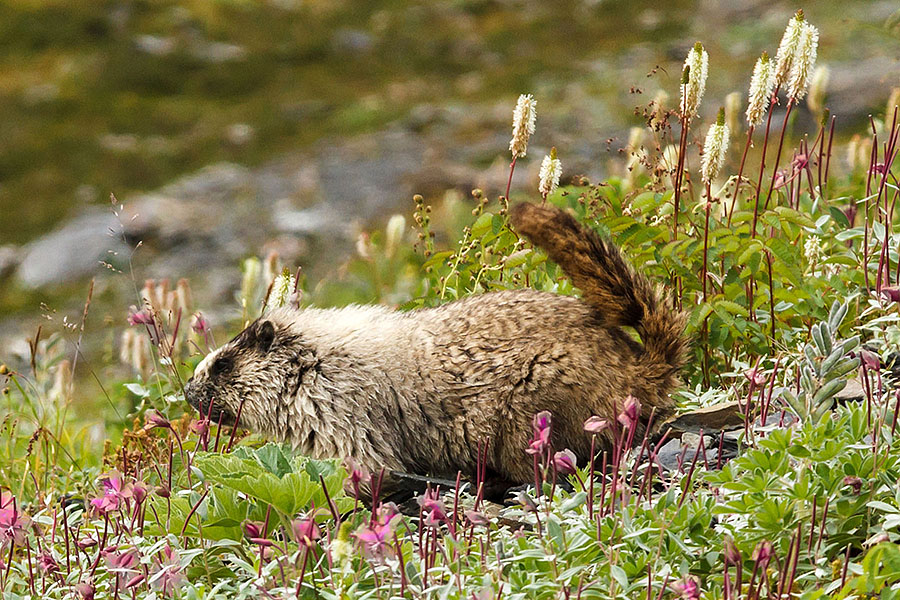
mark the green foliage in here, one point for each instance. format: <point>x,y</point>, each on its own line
<point>268,475</point>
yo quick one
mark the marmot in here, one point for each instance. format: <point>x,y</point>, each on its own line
<point>420,391</point>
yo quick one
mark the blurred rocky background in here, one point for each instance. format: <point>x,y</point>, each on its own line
<point>229,128</point>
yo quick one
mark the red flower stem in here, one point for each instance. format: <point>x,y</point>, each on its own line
<point>234,428</point>
<point>762,160</point>
<point>784,123</point>
<point>873,158</point>
<point>889,154</point>
<point>771,300</point>
<point>603,475</point>
<point>737,183</point>
<point>591,482</point>
<point>302,570</point>
<point>828,155</point>
<point>512,167</point>
<point>679,174</point>
<point>690,475</point>
<point>193,510</point>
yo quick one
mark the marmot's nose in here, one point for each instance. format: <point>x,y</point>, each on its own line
<point>190,394</point>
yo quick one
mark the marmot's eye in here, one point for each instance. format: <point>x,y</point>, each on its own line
<point>221,365</point>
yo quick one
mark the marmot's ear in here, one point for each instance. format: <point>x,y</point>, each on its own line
<point>265,335</point>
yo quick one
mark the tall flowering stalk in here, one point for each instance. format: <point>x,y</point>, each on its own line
<point>524,116</point>
<point>803,43</point>
<point>714,151</point>
<point>693,85</point>
<point>762,84</point>
<point>784,59</point>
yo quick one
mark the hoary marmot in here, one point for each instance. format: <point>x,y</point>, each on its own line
<point>421,391</point>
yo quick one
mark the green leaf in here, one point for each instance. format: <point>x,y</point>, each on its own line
<point>483,224</point>
<point>271,456</point>
<point>839,217</point>
<point>792,216</point>
<point>618,573</point>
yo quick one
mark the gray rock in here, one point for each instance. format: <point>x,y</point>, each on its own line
<point>72,252</point>
<point>670,454</point>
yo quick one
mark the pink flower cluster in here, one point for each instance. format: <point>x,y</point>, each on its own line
<point>117,493</point>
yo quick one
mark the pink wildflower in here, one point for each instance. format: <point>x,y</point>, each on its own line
<point>47,563</point>
<point>892,293</point>
<point>13,523</point>
<point>433,508</point>
<point>167,576</point>
<point>688,588</point>
<point>870,360</point>
<point>756,377</point>
<point>139,317</point>
<point>124,564</point>
<point>154,420</point>
<point>476,517</point>
<point>541,428</point>
<point>256,533</point>
<point>630,413</point>
<point>200,426</point>
<point>763,553</point>
<point>565,462</point>
<point>595,424</point>
<point>200,325</point>
<point>85,590</point>
<point>780,179</point>
<point>116,493</point>
<point>305,531</point>
<point>377,536</point>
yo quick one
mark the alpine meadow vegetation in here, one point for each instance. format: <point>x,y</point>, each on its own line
<point>781,247</point>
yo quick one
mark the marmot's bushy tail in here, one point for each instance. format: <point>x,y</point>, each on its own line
<point>620,294</point>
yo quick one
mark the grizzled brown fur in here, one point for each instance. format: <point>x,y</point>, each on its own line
<point>418,391</point>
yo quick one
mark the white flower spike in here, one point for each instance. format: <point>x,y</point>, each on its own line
<point>524,117</point>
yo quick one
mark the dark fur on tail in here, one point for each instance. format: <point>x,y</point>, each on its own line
<point>620,295</point>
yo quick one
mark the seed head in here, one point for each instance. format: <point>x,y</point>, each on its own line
<point>715,148</point>
<point>551,168</point>
<point>524,116</point>
<point>761,85</point>
<point>804,61</point>
<point>787,49</point>
<point>693,83</point>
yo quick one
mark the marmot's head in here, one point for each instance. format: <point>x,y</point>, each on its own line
<point>251,375</point>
